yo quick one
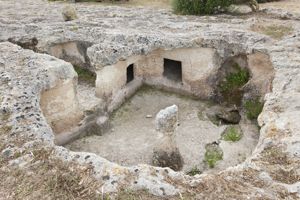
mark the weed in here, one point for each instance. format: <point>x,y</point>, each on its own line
<point>235,80</point>
<point>194,171</point>
<point>232,134</point>
<point>212,155</point>
<point>253,108</point>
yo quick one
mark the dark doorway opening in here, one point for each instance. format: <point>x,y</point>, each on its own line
<point>130,73</point>
<point>172,70</point>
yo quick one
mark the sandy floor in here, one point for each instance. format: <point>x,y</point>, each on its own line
<point>133,136</point>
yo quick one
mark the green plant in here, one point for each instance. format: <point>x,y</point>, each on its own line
<point>212,155</point>
<point>85,75</point>
<point>235,80</point>
<point>194,171</point>
<point>253,108</point>
<point>232,134</point>
<point>199,7</point>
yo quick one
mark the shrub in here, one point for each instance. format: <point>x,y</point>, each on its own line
<point>212,155</point>
<point>232,134</point>
<point>199,7</point>
<point>253,108</point>
<point>235,80</point>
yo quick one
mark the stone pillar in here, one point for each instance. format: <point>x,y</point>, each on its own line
<point>166,153</point>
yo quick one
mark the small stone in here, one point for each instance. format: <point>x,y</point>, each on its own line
<point>221,115</point>
<point>229,116</point>
<point>7,153</point>
<point>149,116</point>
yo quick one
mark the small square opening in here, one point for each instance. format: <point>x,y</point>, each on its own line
<point>130,73</point>
<point>172,70</point>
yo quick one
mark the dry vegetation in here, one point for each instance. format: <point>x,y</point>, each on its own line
<point>280,166</point>
<point>273,30</point>
<point>45,177</point>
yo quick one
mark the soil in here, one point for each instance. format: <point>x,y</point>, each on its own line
<point>133,136</point>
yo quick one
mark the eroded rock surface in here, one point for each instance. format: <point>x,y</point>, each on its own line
<point>166,120</point>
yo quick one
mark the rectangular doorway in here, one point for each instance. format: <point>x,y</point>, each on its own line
<point>172,70</point>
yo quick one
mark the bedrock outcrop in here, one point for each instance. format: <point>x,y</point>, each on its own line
<point>117,33</point>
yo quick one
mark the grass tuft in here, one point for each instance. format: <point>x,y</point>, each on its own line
<point>194,171</point>
<point>253,108</point>
<point>212,155</point>
<point>235,80</point>
<point>232,134</point>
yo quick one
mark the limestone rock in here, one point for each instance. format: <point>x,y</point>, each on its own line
<point>167,155</point>
<point>69,13</point>
<point>221,115</point>
<point>229,116</point>
<point>166,119</point>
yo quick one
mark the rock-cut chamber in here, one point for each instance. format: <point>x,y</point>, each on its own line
<point>218,101</point>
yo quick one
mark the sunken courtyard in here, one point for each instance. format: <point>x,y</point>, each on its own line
<point>133,101</point>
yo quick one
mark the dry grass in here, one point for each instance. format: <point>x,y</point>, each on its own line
<point>275,156</point>
<point>48,178</point>
<point>274,31</point>
<point>280,167</point>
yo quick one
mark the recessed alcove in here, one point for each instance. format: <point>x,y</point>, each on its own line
<point>130,73</point>
<point>172,70</point>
